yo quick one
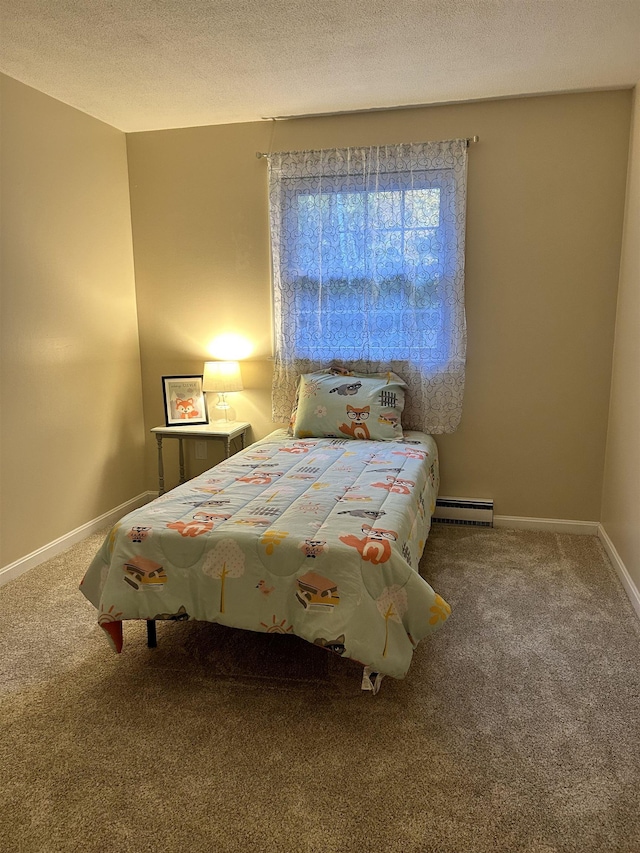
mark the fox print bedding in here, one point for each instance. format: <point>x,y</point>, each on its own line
<point>318,537</point>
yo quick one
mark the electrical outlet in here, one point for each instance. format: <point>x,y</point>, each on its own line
<point>201,449</point>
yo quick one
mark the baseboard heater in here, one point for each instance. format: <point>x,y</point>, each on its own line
<point>478,513</point>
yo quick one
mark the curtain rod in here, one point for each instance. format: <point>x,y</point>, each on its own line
<point>470,140</point>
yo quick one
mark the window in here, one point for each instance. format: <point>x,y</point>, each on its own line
<point>375,275</point>
<point>368,249</point>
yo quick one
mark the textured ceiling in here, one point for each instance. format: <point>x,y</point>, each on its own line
<point>150,64</point>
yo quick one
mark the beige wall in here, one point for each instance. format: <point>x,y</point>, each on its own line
<point>545,207</point>
<point>546,200</point>
<point>621,493</point>
<point>71,423</point>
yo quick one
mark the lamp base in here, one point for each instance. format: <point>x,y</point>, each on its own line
<point>223,414</point>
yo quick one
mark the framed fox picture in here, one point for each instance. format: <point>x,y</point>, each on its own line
<point>184,401</point>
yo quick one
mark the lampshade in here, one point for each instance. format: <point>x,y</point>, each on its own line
<point>222,376</point>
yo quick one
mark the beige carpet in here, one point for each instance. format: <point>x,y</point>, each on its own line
<point>516,731</point>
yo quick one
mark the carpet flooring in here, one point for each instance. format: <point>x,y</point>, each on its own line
<point>517,729</point>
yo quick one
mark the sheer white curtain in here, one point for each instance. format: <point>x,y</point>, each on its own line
<point>368,270</point>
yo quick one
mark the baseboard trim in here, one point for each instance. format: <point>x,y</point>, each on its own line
<point>550,525</point>
<point>621,570</point>
<point>52,549</point>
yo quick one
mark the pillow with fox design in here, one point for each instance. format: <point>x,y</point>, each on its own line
<point>349,405</point>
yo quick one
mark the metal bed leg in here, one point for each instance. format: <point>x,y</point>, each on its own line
<point>152,641</point>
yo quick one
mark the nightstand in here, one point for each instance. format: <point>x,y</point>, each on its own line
<point>226,432</point>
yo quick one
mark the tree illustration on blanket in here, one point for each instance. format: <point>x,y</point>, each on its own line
<point>224,560</point>
<point>392,604</point>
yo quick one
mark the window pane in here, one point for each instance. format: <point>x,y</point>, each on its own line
<point>387,257</point>
<point>363,265</point>
<point>385,209</point>
<point>422,208</point>
<point>351,210</point>
<point>377,234</point>
<point>423,252</point>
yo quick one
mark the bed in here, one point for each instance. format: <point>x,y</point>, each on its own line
<point>320,537</point>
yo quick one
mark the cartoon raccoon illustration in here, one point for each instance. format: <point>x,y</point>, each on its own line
<point>180,616</point>
<point>363,513</point>
<point>347,390</point>
<point>336,645</point>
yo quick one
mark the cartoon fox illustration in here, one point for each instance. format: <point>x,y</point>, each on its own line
<point>376,545</point>
<point>395,486</point>
<point>412,453</point>
<point>191,528</point>
<point>389,418</point>
<point>259,478</point>
<point>186,409</point>
<point>357,428</point>
<point>204,517</point>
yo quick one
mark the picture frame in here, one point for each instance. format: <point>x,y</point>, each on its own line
<point>184,400</point>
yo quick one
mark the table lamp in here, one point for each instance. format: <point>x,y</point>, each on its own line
<point>222,377</point>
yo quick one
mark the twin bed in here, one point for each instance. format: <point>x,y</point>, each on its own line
<point>320,537</point>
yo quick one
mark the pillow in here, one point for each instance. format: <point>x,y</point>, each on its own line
<point>353,405</point>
